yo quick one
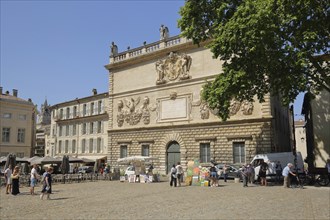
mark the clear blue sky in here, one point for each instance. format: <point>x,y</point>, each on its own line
<point>57,49</point>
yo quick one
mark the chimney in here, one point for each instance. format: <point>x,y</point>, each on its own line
<point>1,90</point>
<point>94,92</point>
<point>15,91</point>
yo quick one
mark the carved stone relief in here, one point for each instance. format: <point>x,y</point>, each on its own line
<point>234,107</point>
<point>173,67</point>
<point>246,107</point>
<point>131,114</point>
<point>204,110</point>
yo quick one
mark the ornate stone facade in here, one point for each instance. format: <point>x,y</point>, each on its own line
<point>172,123</point>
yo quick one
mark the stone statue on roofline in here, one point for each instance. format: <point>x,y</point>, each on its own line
<point>164,32</point>
<point>114,49</point>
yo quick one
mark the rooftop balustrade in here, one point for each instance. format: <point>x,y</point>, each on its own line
<point>148,48</point>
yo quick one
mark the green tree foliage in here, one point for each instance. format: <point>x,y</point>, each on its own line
<point>268,46</point>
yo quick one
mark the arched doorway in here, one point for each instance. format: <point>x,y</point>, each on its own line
<point>173,154</point>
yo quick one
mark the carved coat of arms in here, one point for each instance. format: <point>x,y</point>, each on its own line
<point>173,67</point>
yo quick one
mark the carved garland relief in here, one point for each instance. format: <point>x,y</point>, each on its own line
<point>173,67</point>
<point>132,115</point>
<point>246,107</point>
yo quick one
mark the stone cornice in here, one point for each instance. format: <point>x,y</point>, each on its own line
<point>243,122</point>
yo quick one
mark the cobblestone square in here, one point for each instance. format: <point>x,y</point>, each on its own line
<point>117,200</point>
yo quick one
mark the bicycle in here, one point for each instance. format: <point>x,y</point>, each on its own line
<point>311,178</point>
<point>323,180</point>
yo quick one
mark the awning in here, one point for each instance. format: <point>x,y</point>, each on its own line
<point>94,158</point>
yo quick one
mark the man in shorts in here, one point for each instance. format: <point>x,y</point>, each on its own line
<point>34,175</point>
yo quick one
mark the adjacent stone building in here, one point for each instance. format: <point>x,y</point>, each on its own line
<point>17,117</point>
<point>317,124</point>
<point>155,109</point>
<point>300,132</point>
<point>42,129</point>
<point>79,128</point>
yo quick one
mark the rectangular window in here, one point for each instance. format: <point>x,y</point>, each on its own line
<point>123,151</point>
<point>84,110</point>
<point>145,150</point>
<point>74,111</point>
<point>21,135</point>
<point>60,131</point>
<point>99,107</point>
<point>67,113</point>
<point>84,128</point>
<point>22,117</point>
<point>99,126</point>
<point>73,146</point>
<point>83,146</point>
<point>205,152</point>
<point>67,130</point>
<point>91,145</point>
<point>59,147</point>
<point>5,134</point>
<point>6,115</point>
<point>92,108</point>
<point>91,128</point>
<point>99,144</point>
<point>66,146</point>
<point>61,113</point>
<point>74,129</point>
<point>239,152</point>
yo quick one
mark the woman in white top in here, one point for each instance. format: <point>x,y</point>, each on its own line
<point>8,179</point>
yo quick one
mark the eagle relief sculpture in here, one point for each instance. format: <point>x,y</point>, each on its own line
<point>131,114</point>
<point>173,67</point>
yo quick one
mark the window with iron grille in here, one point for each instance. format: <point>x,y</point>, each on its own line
<point>205,152</point>
<point>238,152</point>
<point>145,150</point>
<point>123,151</point>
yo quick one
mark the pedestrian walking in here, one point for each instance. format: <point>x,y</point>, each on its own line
<point>262,173</point>
<point>47,185</point>
<point>286,174</point>
<point>8,179</point>
<point>33,178</point>
<point>179,170</point>
<point>245,175</point>
<point>15,178</point>
<point>327,165</point>
<point>251,173</point>
<point>278,169</point>
<point>173,176</point>
<point>213,175</point>
<point>225,172</point>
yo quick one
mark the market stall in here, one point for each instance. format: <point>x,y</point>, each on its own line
<point>139,169</point>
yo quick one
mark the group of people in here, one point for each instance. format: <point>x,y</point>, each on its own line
<point>12,181</point>
<point>176,175</point>
<point>247,173</point>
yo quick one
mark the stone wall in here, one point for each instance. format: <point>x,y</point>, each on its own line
<point>256,136</point>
